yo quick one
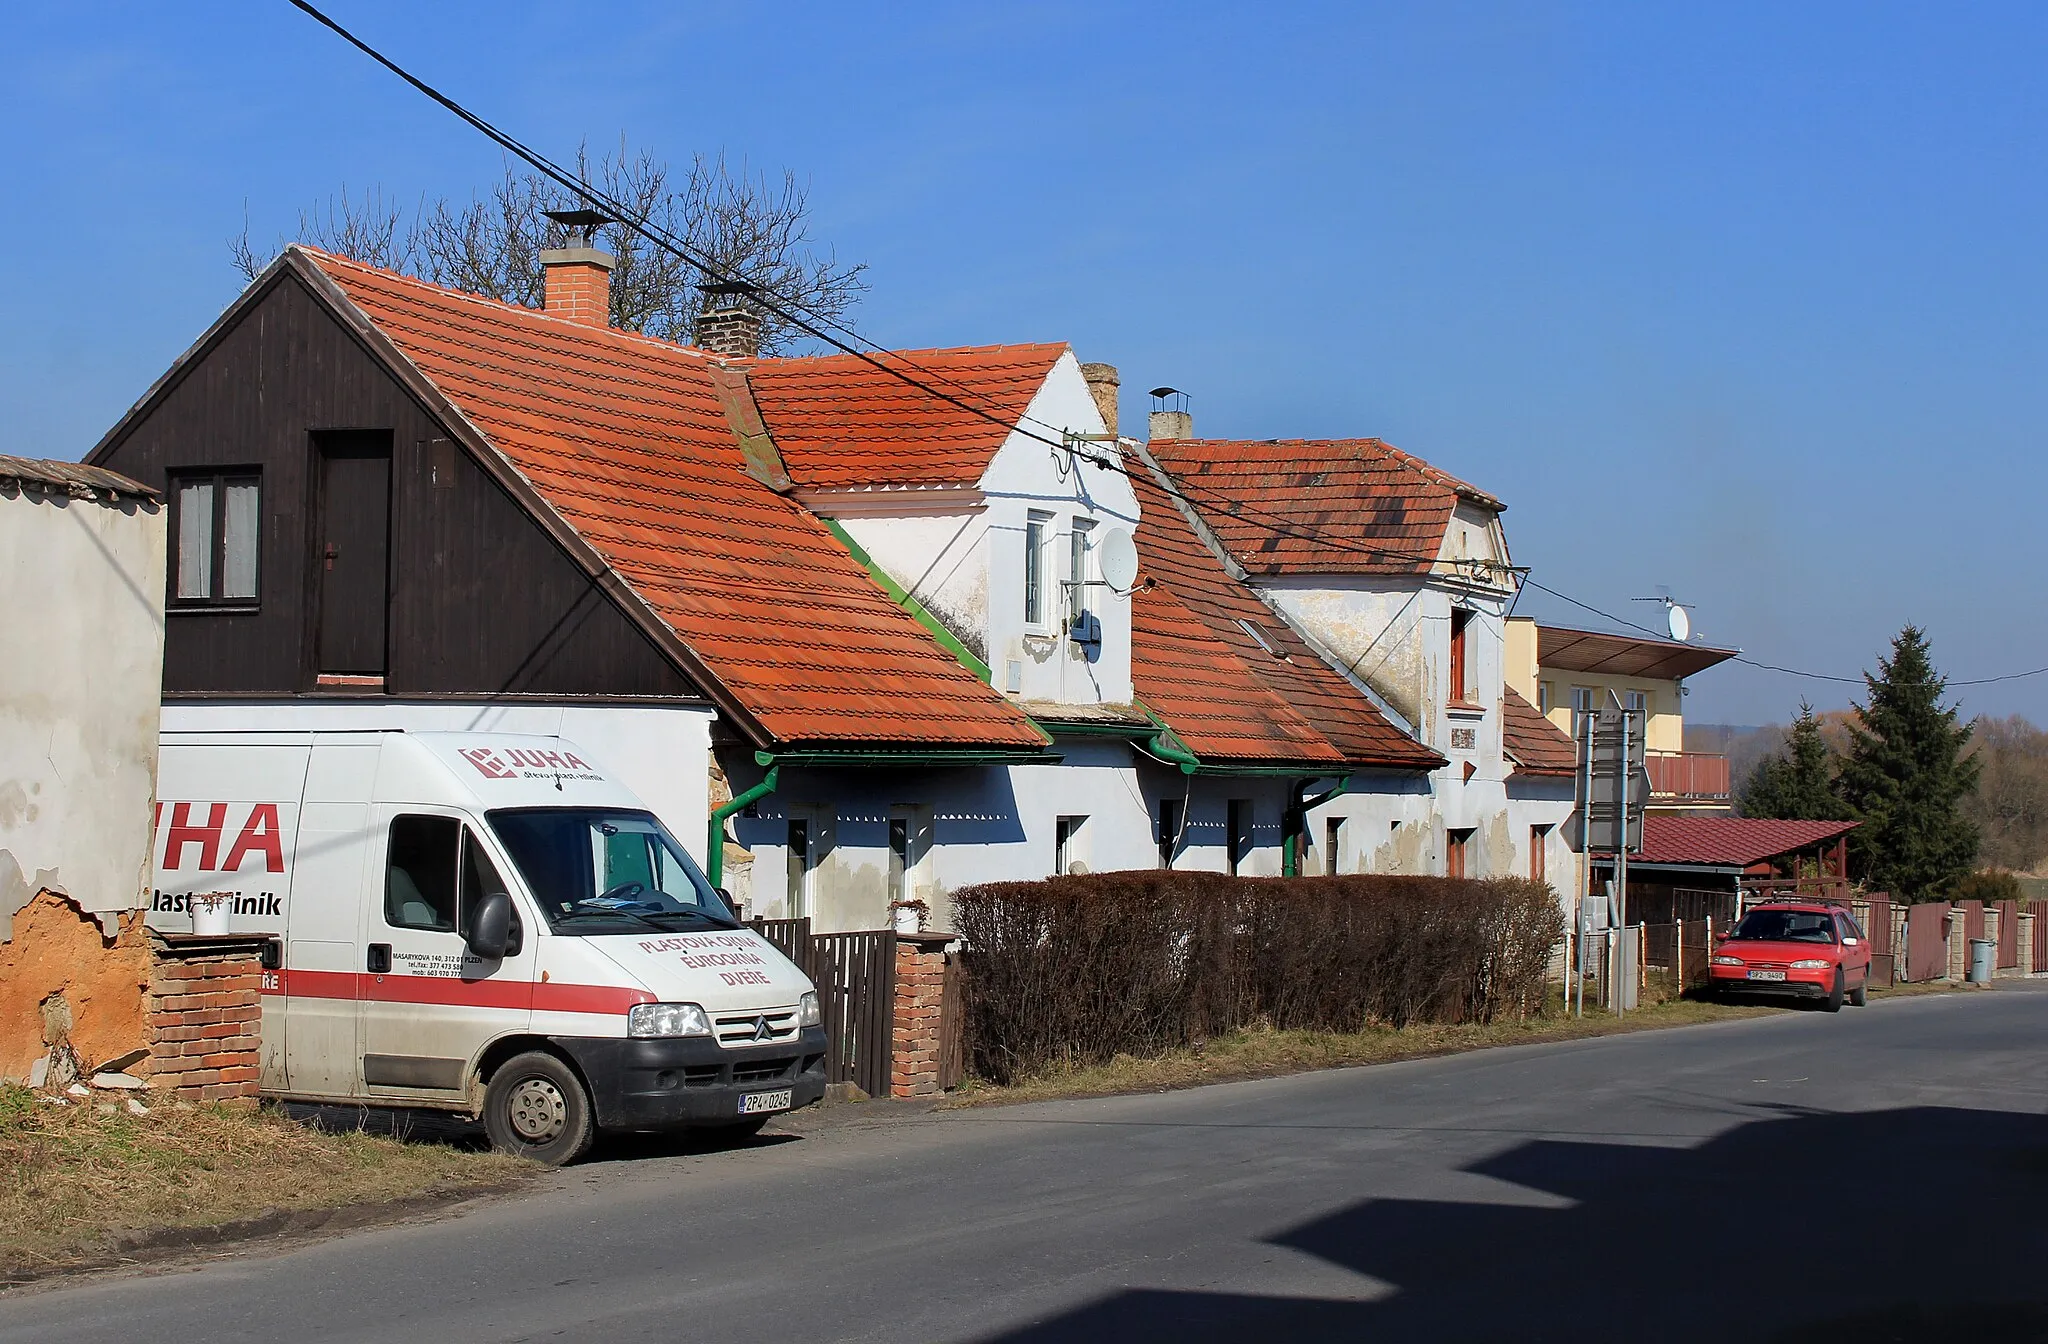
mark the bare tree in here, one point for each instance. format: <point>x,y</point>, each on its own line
<point>748,226</point>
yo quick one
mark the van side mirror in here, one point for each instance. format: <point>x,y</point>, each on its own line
<point>731,907</point>
<point>490,928</point>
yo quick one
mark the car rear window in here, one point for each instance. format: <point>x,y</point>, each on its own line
<point>1786,926</point>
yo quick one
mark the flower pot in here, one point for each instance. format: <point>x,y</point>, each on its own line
<point>210,917</point>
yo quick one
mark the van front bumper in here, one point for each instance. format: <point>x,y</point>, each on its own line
<point>682,1081</point>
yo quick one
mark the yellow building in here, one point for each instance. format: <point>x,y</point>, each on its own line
<point>1567,673</point>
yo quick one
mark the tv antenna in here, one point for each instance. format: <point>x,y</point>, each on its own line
<point>1676,618</point>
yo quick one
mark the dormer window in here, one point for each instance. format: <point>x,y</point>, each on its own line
<point>1077,569</point>
<point>1035,528</point>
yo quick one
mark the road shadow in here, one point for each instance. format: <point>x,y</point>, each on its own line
<point>1922,1224</point>
<point>429,1126</point>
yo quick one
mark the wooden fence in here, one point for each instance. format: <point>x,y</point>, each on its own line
<point>856,978</point>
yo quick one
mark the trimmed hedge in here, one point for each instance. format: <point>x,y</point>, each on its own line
<point>1077,970</point>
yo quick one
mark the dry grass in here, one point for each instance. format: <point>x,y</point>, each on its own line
<point>1264,1053</point>
<point>78,1186</point>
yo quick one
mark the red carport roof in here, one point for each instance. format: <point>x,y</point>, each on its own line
<point>623,438</point>
<point>1730,842</point>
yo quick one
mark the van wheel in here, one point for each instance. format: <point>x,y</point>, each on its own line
<point>536,1108</point>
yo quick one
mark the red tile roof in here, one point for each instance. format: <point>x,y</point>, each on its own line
<point>840,421</point>
<point>1318,506</point>
<point>1535,744</point>
<point>1730,842</point>
<point>1231,700</point>
<point>623,437</point>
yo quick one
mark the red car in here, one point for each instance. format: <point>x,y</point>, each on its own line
<point>1801,949</point>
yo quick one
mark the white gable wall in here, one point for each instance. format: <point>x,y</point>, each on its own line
<point>963,557</point>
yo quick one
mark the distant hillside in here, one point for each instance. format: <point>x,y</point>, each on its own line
<point>1743,746</point>
<point>2010,806</point>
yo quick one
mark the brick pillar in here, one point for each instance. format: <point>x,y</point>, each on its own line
<point>920,992</point>
<point>2027,966</point>
<point>206,1017</point>
<point>1958,944</point>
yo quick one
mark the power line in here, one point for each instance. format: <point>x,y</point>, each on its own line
<point>795,313</point>
<point>1773,667</point>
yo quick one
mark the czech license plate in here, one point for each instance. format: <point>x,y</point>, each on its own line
<point>1767,975</point>
<point>760,1103</point>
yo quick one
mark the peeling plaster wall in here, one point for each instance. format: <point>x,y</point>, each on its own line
<point>81,677</point>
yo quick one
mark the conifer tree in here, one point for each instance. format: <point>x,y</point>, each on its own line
<point>1906,777</point>
<point>1798,783</point>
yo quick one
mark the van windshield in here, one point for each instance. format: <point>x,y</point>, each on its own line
<point>594,871</point>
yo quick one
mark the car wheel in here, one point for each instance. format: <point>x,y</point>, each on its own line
<point>1860,995</point>
<point>1834,1000</point>
<point>536,1107</point>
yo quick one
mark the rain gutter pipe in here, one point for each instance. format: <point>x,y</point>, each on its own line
<point>715,855</point>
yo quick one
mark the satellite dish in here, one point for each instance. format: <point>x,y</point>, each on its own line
<point>1118,556</point>
<point>1679,623</point>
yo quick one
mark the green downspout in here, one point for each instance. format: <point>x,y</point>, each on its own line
<point>715,856</point>
<point>1297,818</point>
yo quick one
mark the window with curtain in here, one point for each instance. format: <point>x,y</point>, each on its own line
<point>216,536</point>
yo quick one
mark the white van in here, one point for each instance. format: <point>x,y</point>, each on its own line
<point>481,923</point>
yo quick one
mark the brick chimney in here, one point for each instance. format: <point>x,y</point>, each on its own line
<point>727,326</point>
<point>1102,385</point>
<point>1171,418</point>
<point>578,277</point>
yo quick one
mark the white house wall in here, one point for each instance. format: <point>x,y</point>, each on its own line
<point>660,752</point>
<point>966,564</point>
<point>987,824</point>
<point>81,675</point>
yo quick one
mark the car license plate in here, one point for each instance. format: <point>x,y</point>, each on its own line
<point>760,1103</point>
<point>1767,975</point>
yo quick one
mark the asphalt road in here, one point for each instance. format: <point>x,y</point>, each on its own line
<point>1876,1174</point>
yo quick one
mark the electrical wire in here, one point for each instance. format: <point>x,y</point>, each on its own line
<point>821,326</point>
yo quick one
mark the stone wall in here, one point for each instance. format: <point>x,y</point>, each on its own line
<point>206,1018</point>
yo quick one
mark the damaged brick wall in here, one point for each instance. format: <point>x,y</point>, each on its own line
<point>62,977</point>
<point>206,1019</point>
<point>920,996</point>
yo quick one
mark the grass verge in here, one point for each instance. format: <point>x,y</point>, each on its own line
<point>79,1187</point>
<point>1266,1053</point>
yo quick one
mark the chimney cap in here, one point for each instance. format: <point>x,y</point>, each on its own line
<point>1162,395</point>
<point>585,222</point>
<point>725,289</point>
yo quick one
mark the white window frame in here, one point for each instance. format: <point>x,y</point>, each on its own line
<point>1037,611</point>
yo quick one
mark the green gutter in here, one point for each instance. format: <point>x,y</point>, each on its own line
<point>1296,818</point>
<point>873,759</point>
<point>902,598</point>
<point>715,856</point>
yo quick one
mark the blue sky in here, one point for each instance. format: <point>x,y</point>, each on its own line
<point>1747,300</point>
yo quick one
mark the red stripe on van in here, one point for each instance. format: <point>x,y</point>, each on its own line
<point>546,997</point>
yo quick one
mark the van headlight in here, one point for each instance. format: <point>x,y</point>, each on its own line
<point>667,1019</point>
<point>807,1013</point>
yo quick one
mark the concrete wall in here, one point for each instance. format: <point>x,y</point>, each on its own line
<point>660,752</point>
<point>81,676</point>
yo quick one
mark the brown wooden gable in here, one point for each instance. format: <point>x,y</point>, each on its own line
<point>485,595</point>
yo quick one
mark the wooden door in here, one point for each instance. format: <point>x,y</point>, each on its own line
<point>353,554</point>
